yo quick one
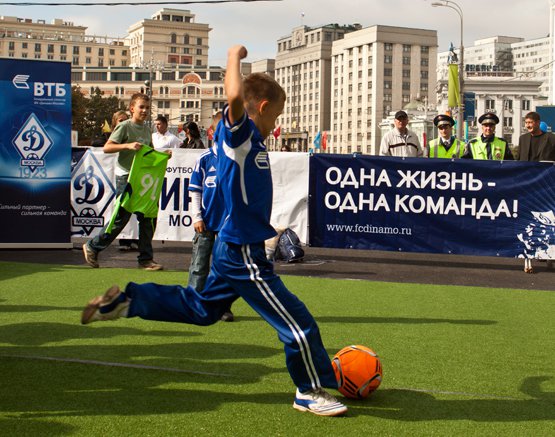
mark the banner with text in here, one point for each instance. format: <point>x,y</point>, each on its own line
<point>465,207</point>
<point>35,153</point>
<point>93,192</point>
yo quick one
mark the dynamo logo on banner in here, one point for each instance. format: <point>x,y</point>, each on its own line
<point>32,142</point>
<point>92,193</point>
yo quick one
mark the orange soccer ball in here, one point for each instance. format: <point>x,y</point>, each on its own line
<point>358,371</point>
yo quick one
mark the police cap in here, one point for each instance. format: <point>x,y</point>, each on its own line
<point>442,119</point>
<point>400,114</point>
<point>488,118</point>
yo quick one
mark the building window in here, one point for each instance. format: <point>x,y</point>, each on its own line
<point>50,48</point>
<point>508,104</point>
<point>508,122</point>
<point>75,60</point>
<point>88,49</point>
<point>112,52</point>
<point>388,59</point>
<point>406,48</point>
<point>23,45</point>
<point>199,41</point>
<point>490,104</point>
<point>11,45</point>
<point>387,84</point>
<point>173,38</point>
<point>424,62</point>
<point>387,71</point>
<point>75,50</point>
<point>100,52</point>
<point>424,49</point>
<point>186,39</point>
<point>37,47</point>
<point>388,46</point>
<point>526,105</point>
<point>406,60</point>
<point>87,60</point>
<point>63,49</point>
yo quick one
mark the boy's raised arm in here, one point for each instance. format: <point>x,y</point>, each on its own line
<point>234,82</point>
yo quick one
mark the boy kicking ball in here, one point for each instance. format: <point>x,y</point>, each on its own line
<point>240,267</point>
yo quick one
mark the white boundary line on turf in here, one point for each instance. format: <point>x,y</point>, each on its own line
<point>112,364</point>
<point>171,369</point>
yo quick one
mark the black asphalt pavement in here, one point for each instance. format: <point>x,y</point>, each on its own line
<point>333,263</point>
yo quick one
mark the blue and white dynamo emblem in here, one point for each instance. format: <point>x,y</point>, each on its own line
<point>261,160</point>
<point>92,193</point>
<point>32,142</point>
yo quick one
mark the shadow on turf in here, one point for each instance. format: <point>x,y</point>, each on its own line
<point>37,334</point>
<point>41,389</point>
<point>59,391</point>
<point>415,406</point>
<point>19,427</point>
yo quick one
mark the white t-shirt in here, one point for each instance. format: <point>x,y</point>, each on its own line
<point>165,141</point>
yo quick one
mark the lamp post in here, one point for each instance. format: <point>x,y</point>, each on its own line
<point>460,118</point>
<point>152,65</point>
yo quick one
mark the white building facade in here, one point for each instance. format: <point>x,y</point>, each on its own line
<point>375,71</point>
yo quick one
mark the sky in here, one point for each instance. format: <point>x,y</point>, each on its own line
<point>259,25</point>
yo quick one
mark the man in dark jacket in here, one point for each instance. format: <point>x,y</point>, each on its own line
<point>536,145</point>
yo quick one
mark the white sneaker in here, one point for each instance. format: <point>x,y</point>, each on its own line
<point>318,402</point>
<point>112,305</point>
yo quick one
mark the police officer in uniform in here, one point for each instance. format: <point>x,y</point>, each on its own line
<point>487,145</point>
<point>446,146</point>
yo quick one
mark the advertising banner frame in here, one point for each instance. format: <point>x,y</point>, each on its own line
<point>35,154</point>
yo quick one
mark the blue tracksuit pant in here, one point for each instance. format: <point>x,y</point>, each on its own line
<point>243,271</point>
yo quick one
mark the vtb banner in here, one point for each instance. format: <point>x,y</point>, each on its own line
<point>35,153</point>
<point>468,207</point>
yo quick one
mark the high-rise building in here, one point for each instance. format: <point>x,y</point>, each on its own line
<point>170,37</point>
<point>303,69</point>
<point>532,59</point>
<point>375,71</point>
<point>23,38</point>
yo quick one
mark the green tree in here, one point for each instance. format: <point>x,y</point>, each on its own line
<point>89,113</point>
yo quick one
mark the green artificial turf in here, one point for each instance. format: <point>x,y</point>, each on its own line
<point>457,361</point>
